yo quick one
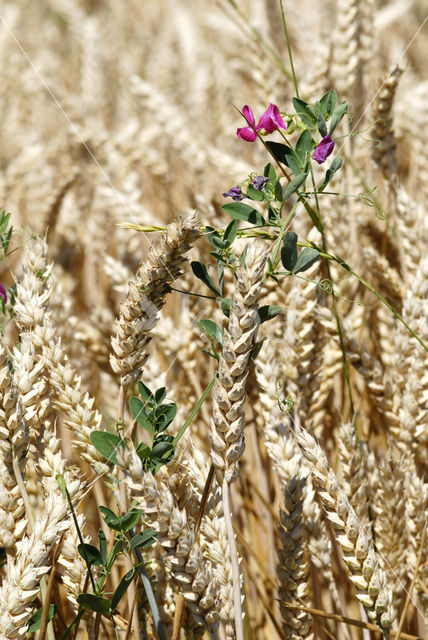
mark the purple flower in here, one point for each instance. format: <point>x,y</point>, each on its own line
<point>3,293</point>
<point>259,182</point>
<point>247,133</point>
<point>324,149</point>
<point>271,120</point>
<point>235,193</point>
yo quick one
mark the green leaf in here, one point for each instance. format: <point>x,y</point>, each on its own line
<point>107,444</point>
<point>103,545</point>
<point>304,146</point>
<point>160,395</point>
<point>289,253</point>
<point>269,172</point>
<point>123,586</point>
<point>212,330</point>
<point>335,166</point>
<point>201,273</point>
<point>294,165</point>
<point>161,450</point>
<point>214,238</point>
<point>130,519</point>
<point>145,393</point>
<point>306,115</point>
<point>143,451</point>
<point>110,518</point>
<point>230,233</point>
<point>278,191</point>
<point>306,259</point>
<point>240,211</point>
<point>256,348</point>
<point>90,554</point>
<point>322,127</point>
<point>94,603</point>
<point>139,413</point>
<point>36,619</point>
<point>226,305</point>
<point>144,539</point>
<point>164,416</point>
<point>337,116</point>
<point>294,185</point>
<point>255,194</point>
<point>268,312</point>
<point>279,151</point>
<point>328,103</point>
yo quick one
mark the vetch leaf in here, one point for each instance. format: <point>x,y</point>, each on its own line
<point>328,103</point>
<point>145,393</point>
<point>241,211</point>
<point>306,259</point>
<point>94,603</point>
<point>107,444</point>
<point>212,330</point>
<point>335,166</point>
<point>306,115</point>
<point>226,305</point>
<point>36,619</point>
<point>201,273</point>
<point>90,554</point>
<point>268,312</point>
<point>294,185</point>
<point>269,172</point>
<point>289,253</point>
<point>322,127</point>
<point>139,413</point>
<point>337,116</point>
<point>214,238</point>
<point>123,586</point>
<point>160,395</point>
<point>110,518</point>
<point>255,194</point>
<point>304,146</point>
<point>143,451</point>
<point>279,151</point>
<point>230,233</point>
<point>164,416</point>
<point>144,539</point>
<point>103,545</point>
<point>130,519</point>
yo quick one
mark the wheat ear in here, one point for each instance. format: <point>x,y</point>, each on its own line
<point>357,549</point>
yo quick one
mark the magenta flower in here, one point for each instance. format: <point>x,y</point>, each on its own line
<point>324,149</point>
<point>271,120</point>
<point>235,193</point>
<point>3,293</point>
<point>247,133</point>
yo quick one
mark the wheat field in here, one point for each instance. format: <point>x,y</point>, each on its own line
<point>213,380</point>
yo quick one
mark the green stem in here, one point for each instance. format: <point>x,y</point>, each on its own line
<point>195,410</point>
<point>290,55</point>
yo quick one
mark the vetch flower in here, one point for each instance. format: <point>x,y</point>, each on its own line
<point>247,133</point>
<point>235,193</point>
<point>3,293</point>
<point>259,182</point>
<point>324,149</point>
<point>271,120</point>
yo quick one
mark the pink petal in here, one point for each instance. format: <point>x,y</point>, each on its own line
<point>246,133</point>
<point>324,149</point>
<point>248,114</point>
<point>271,120</point>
